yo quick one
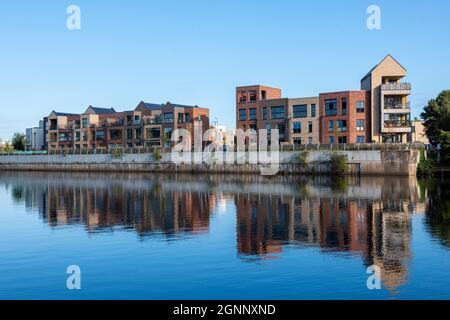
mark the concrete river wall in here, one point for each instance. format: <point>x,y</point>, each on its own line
<point>367,162</point>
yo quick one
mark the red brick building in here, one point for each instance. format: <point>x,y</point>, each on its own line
<point>345,117</point>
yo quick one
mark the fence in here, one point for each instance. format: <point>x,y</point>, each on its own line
<point>306,147</point>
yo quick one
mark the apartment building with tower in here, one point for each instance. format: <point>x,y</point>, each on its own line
<point>104,128</point>
<point>380,112</point>
<point>390,106</point>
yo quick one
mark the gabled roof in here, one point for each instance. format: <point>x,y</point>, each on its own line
<point>100,110</point>
<point>151,106</point>
<point>65,114</point>
<point>388,56</point>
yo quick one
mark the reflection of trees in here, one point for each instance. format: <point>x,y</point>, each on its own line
<point>438,209</point>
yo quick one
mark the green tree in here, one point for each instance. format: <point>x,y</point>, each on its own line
<point>18,142</point>
<point>436,116</point>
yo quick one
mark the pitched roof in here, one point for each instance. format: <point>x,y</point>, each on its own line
<point>151,106</point>
<point>103,110</point>
<point>388,56</point>
<point>65,114</point>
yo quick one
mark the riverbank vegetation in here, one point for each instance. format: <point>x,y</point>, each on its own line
<point>436,117</point>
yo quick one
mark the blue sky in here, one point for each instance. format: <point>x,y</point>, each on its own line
<point>197,52</point>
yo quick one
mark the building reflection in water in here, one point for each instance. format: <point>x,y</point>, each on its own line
<point>366,217</point>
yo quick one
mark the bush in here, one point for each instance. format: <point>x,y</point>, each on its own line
<point>338,163</point>
<point>426,165</point>
<point>157,154</point>
<point>117,153</point>
<point>302,158</point>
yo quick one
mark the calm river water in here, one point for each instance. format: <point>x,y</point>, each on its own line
<point>144,236</point>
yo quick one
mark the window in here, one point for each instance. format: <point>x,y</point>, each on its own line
<point>331,126</point>
<point>168,133</point>
<point>313,110</point>
<point>168,117</point>
<point>360,106</point>
<point>310,126</point>
<point>310,140</point>
<point>138,133</point>
<point>342,139</point>
<point>242,96</point>
<point>242,114</point>
<point>268,127</point>
<point>344,106</point>
<point>300,111</point>
<point>277,112</point>
<point>297,141</point>
<point>253,127</point>
<point>330,140</point>
<point>137,119</point>
<point>263,95</point>
<point>342,125</point>
<point>360,139</point>
<point>252,114</point>
<point>253,95</point>
<point>85,123</point>
<point>100,135</point>
<point>296,127</point>
<point>359,125</point>
<point>331,107</point>
<point>265,113</point>
<point>129,134</point>
<point>281,128</point>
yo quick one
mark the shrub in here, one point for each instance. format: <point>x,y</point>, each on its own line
<point>338,163</point>
<point>157,154</point>
<point>117,153</point>
<point>302,158</point>
<point>426,165</point>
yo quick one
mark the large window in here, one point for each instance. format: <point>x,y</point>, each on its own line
<point>313,110</point>
<point>331,126</point>
<point>331,107</point>
<point>253,95</point>
<point>242,114</point>
<point>344,106</point>
<point>359,125</point>
<point>168,117</point>
<point>242,96</point>
<point>265,113</point>
<point>278,112</point>
<point>99,135</point>
<point>300,111</point>
<point>342,125</point>
<point>360,106</point>
<point>297,127</point>
<point>342,139</point>
<point>360,139</point>
<point>331,140</point>
<point>252,114</point>
<point>310,126</point>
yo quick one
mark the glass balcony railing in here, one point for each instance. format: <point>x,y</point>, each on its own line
<point>396,86</point>
<point>398,106</point>
<point>397,123</point>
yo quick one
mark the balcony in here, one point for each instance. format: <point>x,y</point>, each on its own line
<point>397,106</point>
<point>396,87</point>
<point>396,126</point>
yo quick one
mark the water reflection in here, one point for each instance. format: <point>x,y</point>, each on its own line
<point>366,217</point>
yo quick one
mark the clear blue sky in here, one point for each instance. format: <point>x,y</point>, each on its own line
<point>197,52</point>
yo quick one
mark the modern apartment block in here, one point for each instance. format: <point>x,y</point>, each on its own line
<point>345,117</point>
<point>35,138</point>
<point>262,107</point>
<point>390,106</point>
<point>147,125</point>
<point>380,112</point>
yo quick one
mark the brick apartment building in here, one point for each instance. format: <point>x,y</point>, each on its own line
<point>147,125</point>
<point>380,112</point>
<point>262,107</point>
